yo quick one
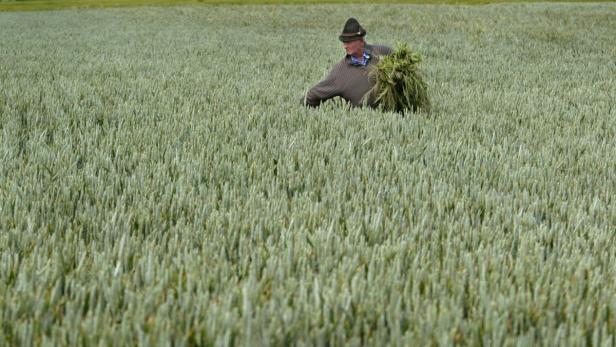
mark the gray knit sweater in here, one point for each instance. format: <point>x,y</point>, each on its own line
<point>348,81</point>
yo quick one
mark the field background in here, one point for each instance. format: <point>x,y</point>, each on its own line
<point>36,5</point>
<point>160,183</point>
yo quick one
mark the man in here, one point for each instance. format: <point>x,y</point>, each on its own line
<point>349,77</point>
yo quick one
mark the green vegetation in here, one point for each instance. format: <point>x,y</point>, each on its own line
<point>160,184</point>
<point>400,84</point>
<point>37,5</point>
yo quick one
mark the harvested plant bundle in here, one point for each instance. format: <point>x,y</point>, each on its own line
<point>400,84</point>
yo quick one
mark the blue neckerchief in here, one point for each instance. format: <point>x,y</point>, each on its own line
<point>362,62</point>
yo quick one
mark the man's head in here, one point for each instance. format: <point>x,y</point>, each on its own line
<point>352,37</point>
<point>355,47</point>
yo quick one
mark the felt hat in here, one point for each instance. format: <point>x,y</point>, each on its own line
<point>352,31</point>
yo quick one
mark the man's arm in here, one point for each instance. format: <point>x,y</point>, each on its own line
<point>326,89</point>
<point>381,50</point>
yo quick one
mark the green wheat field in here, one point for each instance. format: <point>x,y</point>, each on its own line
<point>161,185</point>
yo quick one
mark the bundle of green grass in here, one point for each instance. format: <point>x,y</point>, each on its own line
<point>400,85</point>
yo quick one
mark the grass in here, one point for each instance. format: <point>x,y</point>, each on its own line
<point>40,5</point>
<point>161,185</point>
<point>400,84</point>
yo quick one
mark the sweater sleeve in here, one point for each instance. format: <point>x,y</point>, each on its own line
<point>382,50</point>
<point>324,90</point>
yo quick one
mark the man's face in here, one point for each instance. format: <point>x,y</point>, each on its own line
<point>355,47</point>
